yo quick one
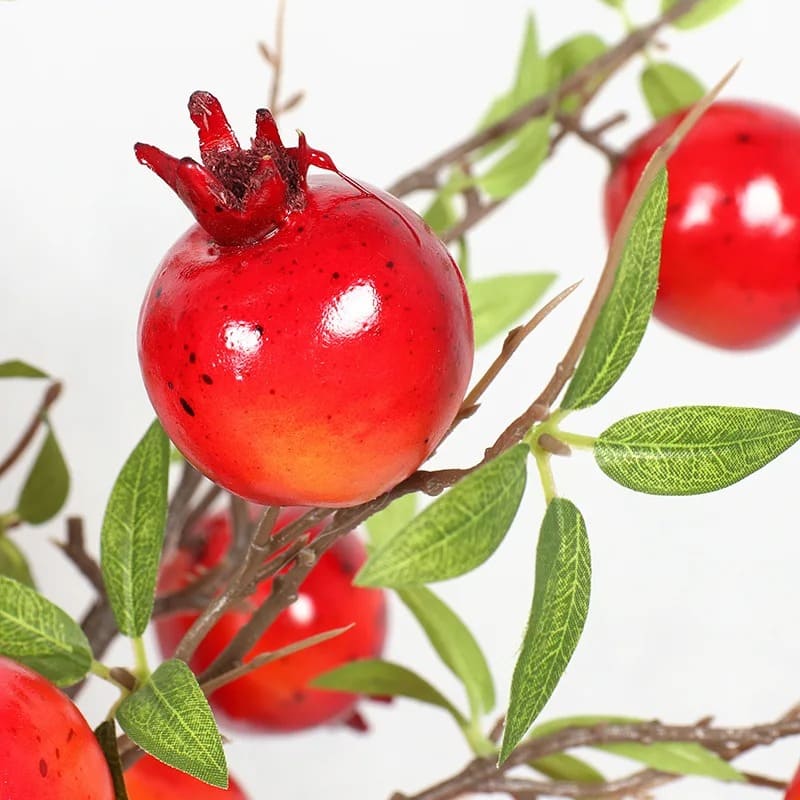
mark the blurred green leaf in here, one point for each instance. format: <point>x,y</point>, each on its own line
<point>680,758</point>
<point>572,55</point>
<point>703,12</point>
<point>564,767</point>
<point>457,532</point>
<point>558,613</point>
<point>385,524</point>
<point>624,317</point>
<point>441,214</point>
<point>454,643</point>
<point>20,369</point>
<point>377,677</point>
<point>133,532</point>
<point>39,634</point>
<point>668,88</point>
<point>500,301</point>
<point>693,449</point>
<point>13,563</point>
<point>169,717</point>
<point>46,488</point>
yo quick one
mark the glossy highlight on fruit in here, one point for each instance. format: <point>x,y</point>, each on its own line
<point>310,341</point>
<point>47,749</point>
<point>150,779</point>
<point>730,270</point>
<point>276,697</point>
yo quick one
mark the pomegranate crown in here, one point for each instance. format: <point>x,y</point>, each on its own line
<point>238,195</point>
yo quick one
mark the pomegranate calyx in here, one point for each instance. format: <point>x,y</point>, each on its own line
<point>237,195</point>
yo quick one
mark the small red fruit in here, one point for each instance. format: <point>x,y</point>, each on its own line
<point>47,750</point>
<point>276,697</point>
<point>150,779</point>
<point>793,792</point>
<point>730,269</point>
<point>310,341</point>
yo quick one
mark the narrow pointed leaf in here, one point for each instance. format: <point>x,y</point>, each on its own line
<point>498,302</point>
<point>668,88</point>
<point>457,532</point>
<point>133,532</point>
<point>564,767</point>
<point>680,758</point>
<point>19,369</point>
<point>13,563</point>
<point>693,449</point>
<point>385,524</point>
<point>378,677</point>
<point>46,488</point>
<point>558,613</point>
<point>702,13</point>
<point>625,315</point>
<point>169,717</point>
<point>454,643</point>
<point>38,633</point>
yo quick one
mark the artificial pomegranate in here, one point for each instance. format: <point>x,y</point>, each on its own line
<point>310,340</point>
<point>730,269</point>
<point>150,779</point>
<point>276,697</point>
<point>47,750</point>
<point>793,792</point>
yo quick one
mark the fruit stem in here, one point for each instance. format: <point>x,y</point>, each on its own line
<point>542,458</point>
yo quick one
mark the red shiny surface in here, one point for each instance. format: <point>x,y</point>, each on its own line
<point>47,750</point>
<point>730,272</point>
<point>793,792</point>
<point>150,779</point>
<point>319,366</point>
<point>276,697</point>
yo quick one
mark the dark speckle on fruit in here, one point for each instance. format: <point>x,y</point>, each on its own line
<point>187,408</point>
<point>192,358</point>
<point>42,767</point>
<point>744,138</point>
<point>206,379</point>
<point>390,264</point>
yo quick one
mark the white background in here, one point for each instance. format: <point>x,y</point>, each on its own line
<point>694,607</point>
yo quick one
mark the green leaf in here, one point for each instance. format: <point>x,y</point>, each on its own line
<point>19,369</point>
<point>693,449</point>
<point>564,767</point>
<point>500,301</point>
<point>378,677</point>
<point>624,317</point>
<point>558,613</point>
<point>679,758</point>
<point>668,88</point>
<point>703,12</point>
<point>385,524</point>
<point>455,645</point>
<point>47,485</point>
<point>13,563</point>
<point>169,717</point>
<point>39,634</point>
<point>133,532</point>
<point>519,165</point>
<point>106,735</point>
<point>457,532</point>
<point>572,55</point>
<point>441,214</point>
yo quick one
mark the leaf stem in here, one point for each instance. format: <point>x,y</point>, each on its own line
<point>104,672</point>
<point>545,472</point>
<point>140,654</point>
<point>576,439</point>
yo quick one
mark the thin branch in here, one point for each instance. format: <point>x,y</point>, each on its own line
<point>51,394</point>
<point>75,550</point>
<point>426,176</point>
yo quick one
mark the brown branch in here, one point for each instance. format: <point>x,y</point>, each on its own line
<point>75,550</point>
<point>426,176</point>
<point>180,507</point>
<point>51,394</point>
